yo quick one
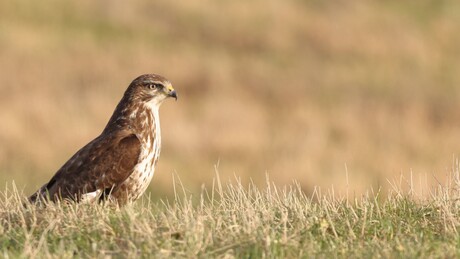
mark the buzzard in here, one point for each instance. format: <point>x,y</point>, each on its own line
<point>119,163</point>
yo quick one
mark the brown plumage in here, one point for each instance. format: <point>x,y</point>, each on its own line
<point>120,162</point>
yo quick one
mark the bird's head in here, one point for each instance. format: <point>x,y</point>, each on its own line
<point>153,89</point>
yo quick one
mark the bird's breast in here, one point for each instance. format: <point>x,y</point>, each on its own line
<point>138,181</point>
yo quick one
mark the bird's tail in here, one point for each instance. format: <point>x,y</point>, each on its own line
<point>39,195</point>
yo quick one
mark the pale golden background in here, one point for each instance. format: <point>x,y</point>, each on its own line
<point>295,89</point>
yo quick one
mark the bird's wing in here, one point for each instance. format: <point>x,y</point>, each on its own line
<point>101,165</point>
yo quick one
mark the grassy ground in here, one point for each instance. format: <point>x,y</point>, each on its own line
<point>235,221</point>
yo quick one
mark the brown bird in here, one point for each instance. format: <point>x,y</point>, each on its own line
<point>119,163</point>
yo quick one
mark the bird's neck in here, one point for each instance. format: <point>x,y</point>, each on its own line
<point>141,118</point>
<point>145,121</point>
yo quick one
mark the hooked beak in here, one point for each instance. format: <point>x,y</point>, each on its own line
<point>173,94</point>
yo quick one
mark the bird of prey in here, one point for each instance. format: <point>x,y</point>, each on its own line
<point>118,164</point>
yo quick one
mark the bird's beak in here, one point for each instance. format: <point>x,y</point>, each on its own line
<point>173,94</point>
<point>170,91</point>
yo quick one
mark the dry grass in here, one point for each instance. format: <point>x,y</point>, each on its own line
<point>233,221</point>
<point>295,88</point>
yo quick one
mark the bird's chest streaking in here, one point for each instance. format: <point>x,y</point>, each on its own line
<point>149,134</point>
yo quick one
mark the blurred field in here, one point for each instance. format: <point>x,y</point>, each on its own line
<point>299,89</point>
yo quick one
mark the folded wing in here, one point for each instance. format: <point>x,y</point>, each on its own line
<point>98,167</point>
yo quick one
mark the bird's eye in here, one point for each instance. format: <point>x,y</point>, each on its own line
<point>155,86</point>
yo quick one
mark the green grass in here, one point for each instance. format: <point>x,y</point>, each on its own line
<point>234,221</point>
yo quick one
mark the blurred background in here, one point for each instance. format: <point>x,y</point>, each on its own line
<point>310,91</point>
